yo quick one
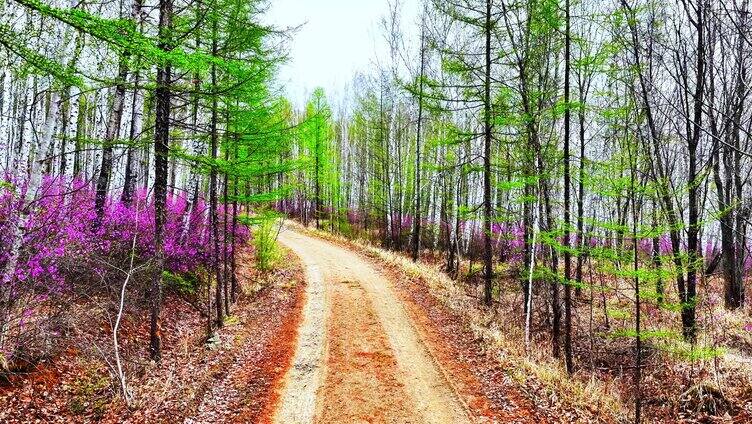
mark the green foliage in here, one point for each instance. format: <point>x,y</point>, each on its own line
<point>646,334</point>
<point>692,353</point>
<point>90,392</point>
<point>320,148</point>
<point>7,185</point>
<point>265,228</point>
<point>618,313</point>
<point>231,320</point>
<point>15,43</point>
<point>122,35</point>
<point>181,283</point>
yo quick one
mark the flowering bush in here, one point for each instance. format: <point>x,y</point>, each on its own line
<point>509,241</point>
<point>63,250</point>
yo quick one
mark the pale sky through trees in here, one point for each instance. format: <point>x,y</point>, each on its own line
<point>338,39</point>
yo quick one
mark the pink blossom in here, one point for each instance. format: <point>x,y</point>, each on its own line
<point>61,245</point>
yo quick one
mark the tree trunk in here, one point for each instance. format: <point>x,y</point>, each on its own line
<point>225,240</point>
<point>111,133</point>
<point>131,173</point>
<point>487,206</point>
<point>693,142</point>
<point>417,217</point>
<point>659,175</point>
<point>20,226</point>
<point>567,201</point>
<point>213,204</point>
<point>162,98</point>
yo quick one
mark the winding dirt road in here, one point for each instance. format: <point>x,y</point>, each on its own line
<point>359,357</point>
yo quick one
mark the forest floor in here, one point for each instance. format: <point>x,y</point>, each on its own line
<point>233,378</point>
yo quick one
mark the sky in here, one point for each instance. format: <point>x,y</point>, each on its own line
<point>337,39</point>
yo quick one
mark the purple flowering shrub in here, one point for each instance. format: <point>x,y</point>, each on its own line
<point>509,241</point>
<point>63,253</point>
<point>507,238</point>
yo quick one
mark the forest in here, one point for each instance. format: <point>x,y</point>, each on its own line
<point>523,211</point>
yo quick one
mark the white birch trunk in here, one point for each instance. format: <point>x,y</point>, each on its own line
<point>21,224</point>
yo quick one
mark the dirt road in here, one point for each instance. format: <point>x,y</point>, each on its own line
<point>359,357</point>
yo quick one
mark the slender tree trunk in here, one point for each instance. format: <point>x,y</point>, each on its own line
<point>659,175</point>
<point>581,242</point>
<point>555,301</point>
<point>83,107</point>
<point>65,118</point>
<point>213,204</point>
<point>638,310</point>
<point>567,201</point>
<point>317,177</point>
<point>233,264</point>
<point>693,230</point>
<point>657,264</point>
<point>487,206</point>
<point>131,160</point>
<point>730,189</point>
<point>131,175</point>
<point>225,240</point>
<point>19,226</point>
<point>417,217</point>
<point>111,133</point>
<point>162,97</point>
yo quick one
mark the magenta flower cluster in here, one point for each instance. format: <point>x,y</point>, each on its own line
<point>61,242</point>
